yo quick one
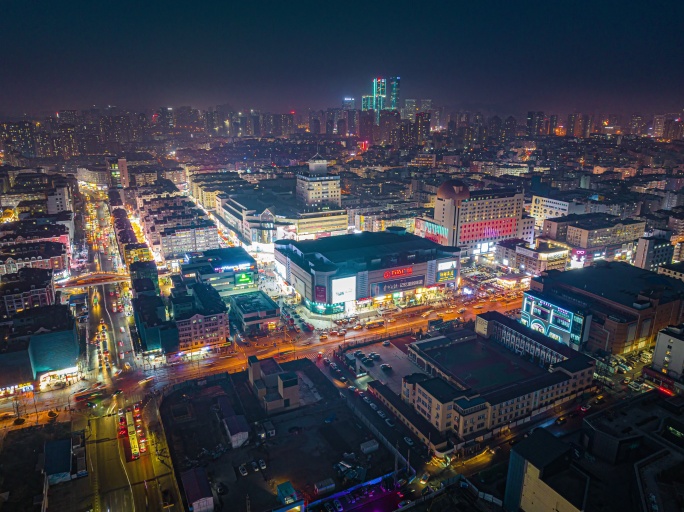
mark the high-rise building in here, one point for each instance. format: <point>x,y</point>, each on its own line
<point>18,137</point>
<point>367,102</point>
<point>67,117</point>
<point>653,252</point>
<point>425,105</point>
<point>553,124</point>
<point>65,143</point>
<point>478,220</point>
<point>379,97</point>
<point>348,104</point>
<point>166,119</point>
<point>352,122</point>
<point>658,126</point>
<point>395,83</point>
<point>535,123</point>
<point>422,128</point>
<point>495,128</point>
<point>636,124</point>
<point>317,187</point>
<point>409,110</point>
<point>510,128</point>
<point>366,123</point>
<point>389,120</point>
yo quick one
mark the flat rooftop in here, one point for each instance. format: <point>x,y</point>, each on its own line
<point>617,282</point>
<point>479,364</point>
<point>340,250</point>
<point>253,301</point>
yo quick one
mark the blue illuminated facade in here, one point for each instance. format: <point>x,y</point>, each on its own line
<point>556,319</point>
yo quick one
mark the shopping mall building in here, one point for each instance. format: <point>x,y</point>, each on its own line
<point>346,273</point>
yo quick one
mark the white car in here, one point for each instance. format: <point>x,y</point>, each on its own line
<point>408,441</point>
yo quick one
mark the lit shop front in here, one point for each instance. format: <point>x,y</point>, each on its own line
<point>399,286</point>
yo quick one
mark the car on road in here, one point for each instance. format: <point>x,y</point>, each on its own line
<point>366,399</point>
<point>561,420</point>
<point>390,422</point>
<point>403,503</point>
<point>424,478</point>
<point>323,336</point>
<point>262,464</point>
<point>255,466</point>
<point>117,392</point>
<point>386,367</point>
<point>585,407</point>
<point>326,361</point>
<point>386,343</point>
<point>342,379</point>
<point>382,414</point>
<point>338,506</point>
<point>329,508</point>
<point>357,327</point>
<point>243,470</point>
<point>626,380</point>
<point>373,406</point>
<point>408,440</point>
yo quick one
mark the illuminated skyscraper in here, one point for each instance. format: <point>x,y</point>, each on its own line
<point>349,104</point>
<point>658,126</point>
<point>425,105</point>
<point>367,102</point>
<point>379,96</point>
<point>395,83</point>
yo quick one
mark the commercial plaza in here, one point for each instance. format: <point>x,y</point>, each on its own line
<point>349,272</point>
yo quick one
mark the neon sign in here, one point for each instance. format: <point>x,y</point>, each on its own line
<point>398,272</point>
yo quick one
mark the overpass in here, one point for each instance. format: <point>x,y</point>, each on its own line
<point>92,279</point>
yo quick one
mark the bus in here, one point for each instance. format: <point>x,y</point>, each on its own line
<point>87,395</point>
<point>373,324</point>
<point>132,436</point>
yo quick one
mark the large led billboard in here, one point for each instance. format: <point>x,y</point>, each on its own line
<point>343,289</point>
<point>556,320</point>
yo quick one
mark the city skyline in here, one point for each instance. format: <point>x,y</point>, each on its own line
<point>466,57</point>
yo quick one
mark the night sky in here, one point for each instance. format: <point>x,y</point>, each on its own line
<point>507,56</point>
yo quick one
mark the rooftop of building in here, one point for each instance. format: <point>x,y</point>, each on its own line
<point>476,363</point>
<point>617,282</point>
<point>329,252</point>
<point>674,267</point>
<point>196,485</point>
<point>58,456</point>
<point>646,414</point>
<point>543,340</point>
<point>233,258</point>
<point>542,448</point>
<point>253,301</point>
<point>440,389</point>
<point>208,299</point>
<point>523,387</point>
<point>512,243</point>
<point>38,250</point>
<point>418,421</point>
<point>147,308</point>
<point>25,279</point>
<point>575,218</point>
<point>56,317</point>
<point>142,265</point>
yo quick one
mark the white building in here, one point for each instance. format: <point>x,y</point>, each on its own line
<point>176,242</point>
<point>548,208</point>
<point>317,187</point>
<point>668,356</point>
<point>477,220</point>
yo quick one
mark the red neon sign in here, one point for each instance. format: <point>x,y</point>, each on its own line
<point>397,272</point>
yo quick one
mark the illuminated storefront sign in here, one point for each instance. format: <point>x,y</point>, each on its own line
<point>446,265</point>
<point>398,272</point>
<point>397,285</point>
<point>343,290</point>
<point>321,295</point>
<point>446,275</point>
<point>244,278</point>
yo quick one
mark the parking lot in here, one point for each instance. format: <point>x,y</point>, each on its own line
<point>392,377</point>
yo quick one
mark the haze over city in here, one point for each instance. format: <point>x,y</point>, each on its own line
<point>341,257</point>
<point>499,57</point>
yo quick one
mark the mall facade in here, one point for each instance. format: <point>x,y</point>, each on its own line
<point>347,273</point>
